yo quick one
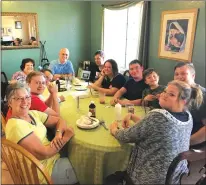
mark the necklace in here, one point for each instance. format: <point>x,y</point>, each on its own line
<point>32,120</point>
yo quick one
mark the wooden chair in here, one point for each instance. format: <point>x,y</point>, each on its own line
<point>24,168</point>
<point>3,122</point>
<point>190,156</point>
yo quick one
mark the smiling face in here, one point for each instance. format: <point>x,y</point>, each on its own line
<point>48,76</point>
<point>37,84</point>
<point>63,55</point>
<point>29,67</point>
<point>184,74</point>
<point>99,60</point>
<point>152,79</point>
<point>20,102</point>
<point>170,100</point>
<point>135,71</point>
<point>108,69</point>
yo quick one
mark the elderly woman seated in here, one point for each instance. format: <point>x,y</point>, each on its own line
<point>37,84</point>
<point>27,66</point>
<point>28,129</point>
<point>160,136</point>
<point>110,80</point>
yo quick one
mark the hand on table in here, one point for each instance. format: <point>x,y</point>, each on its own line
<point>126,120</point>
<point>62,98</point>
<point>114,101</point>
<point>57,141</point>
<point>68,134</point>
<point>124,102</point>
<point>113,128</point>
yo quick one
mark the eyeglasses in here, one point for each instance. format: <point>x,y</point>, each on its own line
<point>21,99</point>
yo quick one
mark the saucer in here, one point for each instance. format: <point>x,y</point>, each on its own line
<point>80,88</point>
<point>85,126</point>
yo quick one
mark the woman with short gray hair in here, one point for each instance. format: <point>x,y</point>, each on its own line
<point>28,129</point>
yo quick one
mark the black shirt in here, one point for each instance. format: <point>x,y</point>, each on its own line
<point>181,116</point>
<point>118,81</point>
<point>134,89</point>
<point>199,114</point>
<point>93,68</point>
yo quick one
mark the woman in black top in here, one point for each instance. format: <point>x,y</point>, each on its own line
<point>110,80</point>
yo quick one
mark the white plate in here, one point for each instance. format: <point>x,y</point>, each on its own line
<point>62,82</point>
<point>76,84</point>
<point>80,88</point>
<point>85,126</point>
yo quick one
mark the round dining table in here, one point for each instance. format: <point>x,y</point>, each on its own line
<point>94,153</point>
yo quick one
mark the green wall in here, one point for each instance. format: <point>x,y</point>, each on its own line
<point>61,24</point>
<point>96,26</point>
<point>164,66</point>
<point>77,25</point>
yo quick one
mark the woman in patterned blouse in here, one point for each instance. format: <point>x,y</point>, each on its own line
<point>27,66</point>
<point>160,136</point>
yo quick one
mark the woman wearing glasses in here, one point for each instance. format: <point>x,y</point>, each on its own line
<point>28,129</point>
<point>37,84</point>
<point>161,135</point>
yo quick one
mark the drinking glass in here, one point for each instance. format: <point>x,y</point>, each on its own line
<point>130,109</point>
<point>101,97</point>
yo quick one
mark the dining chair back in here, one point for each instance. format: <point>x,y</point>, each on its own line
<point>23,167</point>
<point>3,122</point>
<point>191,156</point>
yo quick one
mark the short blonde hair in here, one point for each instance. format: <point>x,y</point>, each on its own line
<point>32,74</point>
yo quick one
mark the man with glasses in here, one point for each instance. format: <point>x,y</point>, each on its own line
<point>186,72</point>
<point>62,67</point>
<point>37,84</point>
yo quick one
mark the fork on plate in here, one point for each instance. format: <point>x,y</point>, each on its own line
<point>102,122</point>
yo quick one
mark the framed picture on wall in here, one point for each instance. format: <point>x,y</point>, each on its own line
<point>177,33</point>
<point>9,31</point>
<point>18,25</point>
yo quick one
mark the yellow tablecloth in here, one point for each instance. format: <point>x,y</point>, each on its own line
<point>94,153</point>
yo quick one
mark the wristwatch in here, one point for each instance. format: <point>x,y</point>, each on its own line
<point>59,131</point>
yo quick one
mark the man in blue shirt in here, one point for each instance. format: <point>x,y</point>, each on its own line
<point>62,67</point>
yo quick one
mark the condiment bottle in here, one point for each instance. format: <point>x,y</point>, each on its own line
<point>92,109</point>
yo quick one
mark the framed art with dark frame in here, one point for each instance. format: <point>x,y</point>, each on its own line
<point>177,33</point>
<point>18,25</point>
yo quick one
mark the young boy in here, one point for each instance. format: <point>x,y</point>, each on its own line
<point>150,96</point>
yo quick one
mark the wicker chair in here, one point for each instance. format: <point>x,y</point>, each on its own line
<point>24,168</point>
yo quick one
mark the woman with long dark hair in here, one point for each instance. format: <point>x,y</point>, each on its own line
<point>110,80</point>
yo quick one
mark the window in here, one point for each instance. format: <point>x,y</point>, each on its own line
<point>122,29</point>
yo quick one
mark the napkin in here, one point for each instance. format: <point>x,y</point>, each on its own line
<point>85,120</point>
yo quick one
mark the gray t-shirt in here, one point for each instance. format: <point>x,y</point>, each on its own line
<point>158,138</point>
<point>158,90</point>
